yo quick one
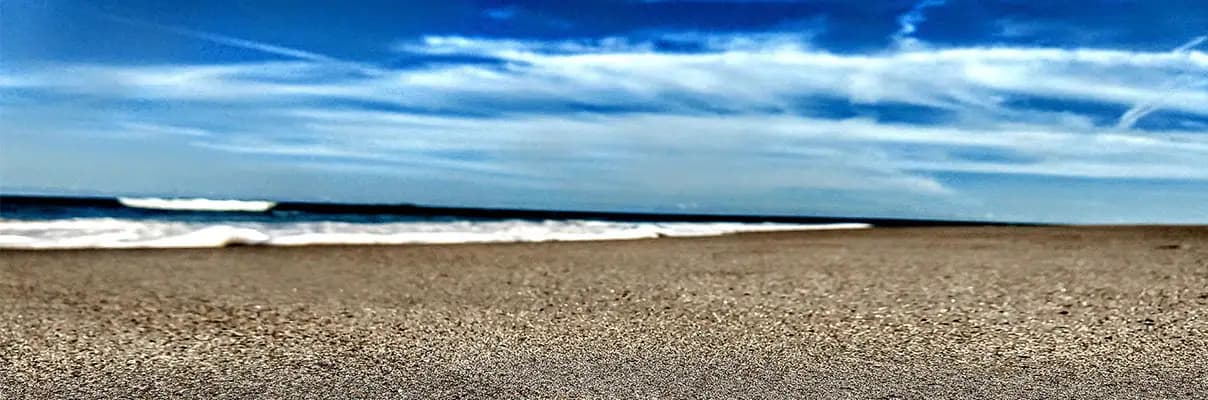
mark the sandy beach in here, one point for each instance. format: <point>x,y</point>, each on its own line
<point>1003,312</point>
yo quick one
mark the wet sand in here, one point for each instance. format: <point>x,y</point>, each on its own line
<point>881,313</point>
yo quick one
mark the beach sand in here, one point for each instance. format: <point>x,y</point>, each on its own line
<point>1003,312</point>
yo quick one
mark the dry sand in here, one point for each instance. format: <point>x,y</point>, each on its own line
<point>882,313</point>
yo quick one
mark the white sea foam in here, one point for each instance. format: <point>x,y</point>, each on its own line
<point>118,233</point>
<point>197,204</point>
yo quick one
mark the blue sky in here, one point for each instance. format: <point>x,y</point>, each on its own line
<point>1012,110</point>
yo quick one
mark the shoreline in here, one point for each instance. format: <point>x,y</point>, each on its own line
<point>994,312</point>
<point>265,207</point>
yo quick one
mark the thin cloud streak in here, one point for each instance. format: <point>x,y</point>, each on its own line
<point>1140,110</point>
<point>262,47</point>
<point>908,22</point>
<point>1191,44</point>
<point>226,40</point>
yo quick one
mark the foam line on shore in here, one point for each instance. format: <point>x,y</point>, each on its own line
<point>98,233</point>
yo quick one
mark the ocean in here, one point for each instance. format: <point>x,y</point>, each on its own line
<point>41,222</point>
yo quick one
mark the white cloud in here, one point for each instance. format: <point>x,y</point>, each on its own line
<point>507,48</point>
<point>753,115</point>
<point>153,129</point>
<point>623,74</point>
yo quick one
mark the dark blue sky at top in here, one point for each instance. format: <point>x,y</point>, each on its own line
<point>939,109</point>
<point>362,30</point>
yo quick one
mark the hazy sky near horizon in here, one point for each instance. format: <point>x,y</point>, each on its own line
<point>1073,111</point>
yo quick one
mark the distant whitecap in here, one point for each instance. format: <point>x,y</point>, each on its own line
<point>197,204</point>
